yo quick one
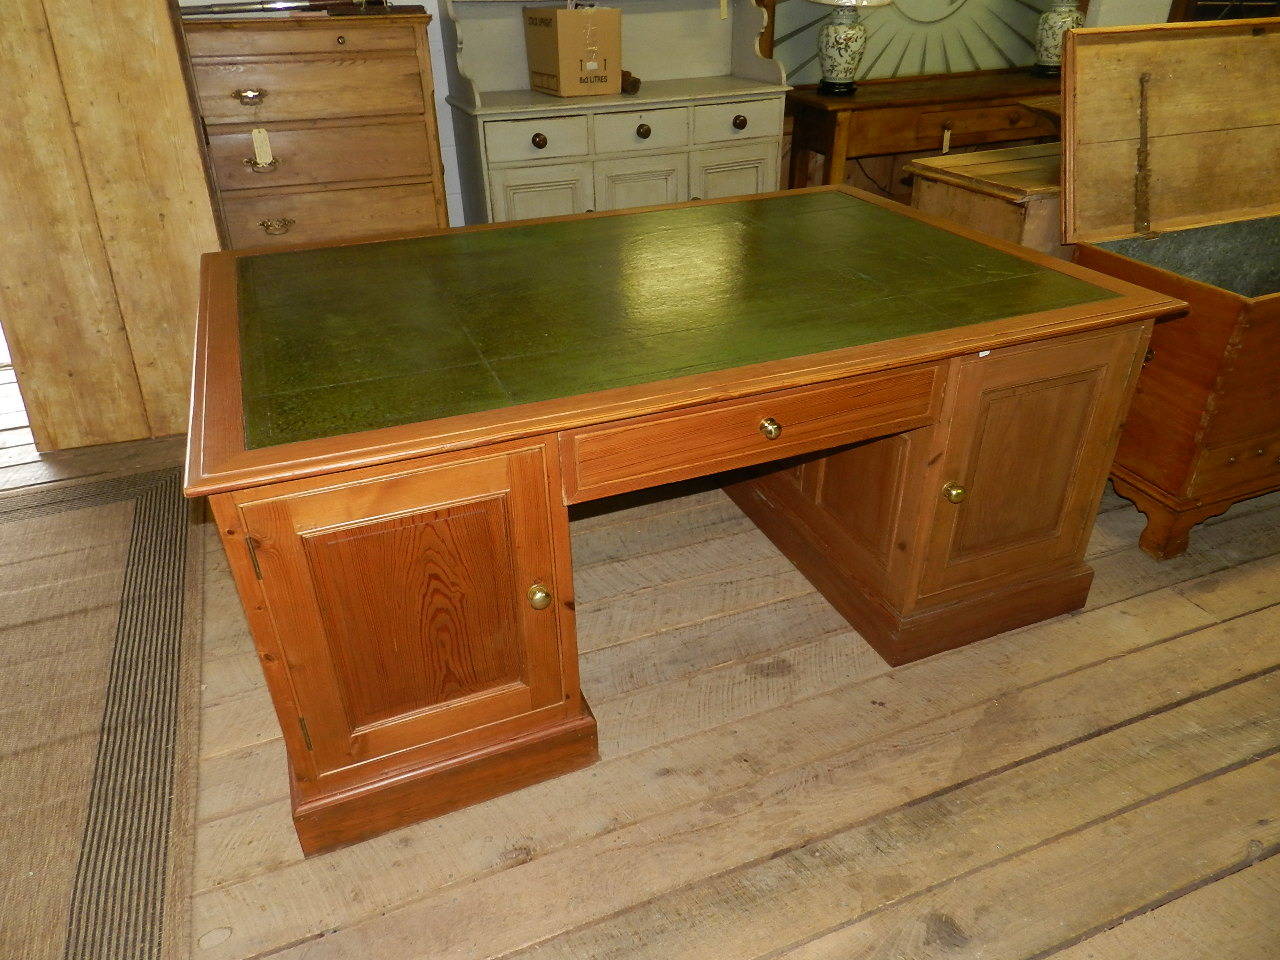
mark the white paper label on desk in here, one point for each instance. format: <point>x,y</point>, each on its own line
<point>261,146</point>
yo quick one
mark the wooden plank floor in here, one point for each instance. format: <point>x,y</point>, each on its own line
<point>1103,785</point>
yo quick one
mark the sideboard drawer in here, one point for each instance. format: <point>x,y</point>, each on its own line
<point>737,121</point>
<point>642,130</point>
<point>975,123</point>
<point>315,216</point>
<point>219,40</point>
<point>540,139</point>
<point>377,149</point>
<point>261,90</point>
<point>631,454</point>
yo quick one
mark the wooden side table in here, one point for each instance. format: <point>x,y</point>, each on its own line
<point>909,114</point>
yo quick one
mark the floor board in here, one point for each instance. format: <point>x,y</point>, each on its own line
<point>769,787</point>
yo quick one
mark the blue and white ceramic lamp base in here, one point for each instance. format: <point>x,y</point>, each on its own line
<point>842,40</point>
<point>1052,32</point>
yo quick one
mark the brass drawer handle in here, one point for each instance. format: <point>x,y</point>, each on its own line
<point>250,96</point>
<point>739,122</point>
<point>771,428</point>
<point>341,39</point>
<point>253,164</point>
<point>539,596</point>
<point>276,226</point>
<point>954,493</point>
<point>644,131</point>
<point>539,140</point>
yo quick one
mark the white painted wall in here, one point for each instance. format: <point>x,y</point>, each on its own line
<point>1122,13</point>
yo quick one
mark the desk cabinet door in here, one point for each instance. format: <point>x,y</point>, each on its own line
<point>400,600</point>
<point>1032,438</point>
<point>742,169</point>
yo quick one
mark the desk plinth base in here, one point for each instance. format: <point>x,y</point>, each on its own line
<point>901,638</point>
<point>328,822</point>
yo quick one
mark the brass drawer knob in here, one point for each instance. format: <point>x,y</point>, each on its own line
<point>250,96</point>
<point>739,122</point>
<point>644,131</point>
<point>539,596</point>
<point>276,226</point>
<point>258,167</point>
<point>539,140</point>
<point>771,428</point>
<point>341,40</point>
<point>954,493</point>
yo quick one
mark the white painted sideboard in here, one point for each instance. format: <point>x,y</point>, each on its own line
<point>714,133</point>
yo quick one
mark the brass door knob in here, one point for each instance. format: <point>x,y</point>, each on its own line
<point>539,140</point>
<point>277,226</point>
<point>954,493</point>
<point>644,131</point>
<point>250,96</point>
<point>771,428</point>
<point>739,122</point>
<point>539,596</point>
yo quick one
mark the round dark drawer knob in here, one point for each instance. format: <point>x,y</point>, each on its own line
<point>539,140</point>
<point>644,131</point>
<point>739,122</point>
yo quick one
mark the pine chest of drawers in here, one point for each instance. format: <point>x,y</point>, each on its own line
<point>318,128</point>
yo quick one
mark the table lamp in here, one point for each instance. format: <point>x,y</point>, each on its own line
<point>842,41</point>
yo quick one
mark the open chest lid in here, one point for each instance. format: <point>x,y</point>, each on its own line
<point>1170,126</point>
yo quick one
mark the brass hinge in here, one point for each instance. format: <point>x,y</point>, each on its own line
<point>252,546</point>
<point>306,734</point>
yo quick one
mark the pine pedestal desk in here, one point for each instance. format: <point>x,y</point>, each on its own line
<point>392,433</point>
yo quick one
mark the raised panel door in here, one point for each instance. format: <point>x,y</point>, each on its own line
<point>734,171</point>
<point>400,600</point>
<point>1031,441</point>
<point>641,181</point>
<point>554,190</point>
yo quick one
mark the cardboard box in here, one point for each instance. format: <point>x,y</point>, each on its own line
<point>574,53</point>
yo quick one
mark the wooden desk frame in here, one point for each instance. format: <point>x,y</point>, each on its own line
<point>874,439</point>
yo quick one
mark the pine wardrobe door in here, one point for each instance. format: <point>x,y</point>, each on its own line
<point>415,606</point>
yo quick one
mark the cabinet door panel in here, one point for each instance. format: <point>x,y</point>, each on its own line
<point>555,190</point>
<point>641,181</point>
<point>734,171</point>
<point>400,602</point>
<point>1032,439</point>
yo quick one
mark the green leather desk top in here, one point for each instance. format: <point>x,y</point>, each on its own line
<point>342,339</point>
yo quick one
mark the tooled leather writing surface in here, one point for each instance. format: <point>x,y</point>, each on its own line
<point>350,338</point>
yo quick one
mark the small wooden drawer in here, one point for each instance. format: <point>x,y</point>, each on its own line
<point>1244,465</point>
<point>222,40</point>
<point>308,87</point>
<point>973,123</point>
<point>328,153</point>
<point>628,455</point>
<point>737,121</point>
<point>540,139</point>
<point>642,130</point>
<point>262,219</point>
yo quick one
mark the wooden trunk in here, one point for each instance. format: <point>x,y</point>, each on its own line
<point>1014,193</point>
<point>1149,207</point>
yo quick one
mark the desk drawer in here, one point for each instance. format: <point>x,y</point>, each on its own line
<point>315,216</point>
<point>632,454</point>
<point>305,87</point>
<point>507,140</point>
<point>642,130</point>
<point>225,40</point>
<point>737,121</point>
<point>322,154</point>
